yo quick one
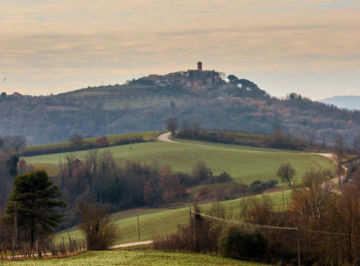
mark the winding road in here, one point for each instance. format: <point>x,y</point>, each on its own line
<point>132,244</point>
<point>334,181</point>
<point>165,138</point>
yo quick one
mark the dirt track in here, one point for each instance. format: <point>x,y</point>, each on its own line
<point>165,138</point>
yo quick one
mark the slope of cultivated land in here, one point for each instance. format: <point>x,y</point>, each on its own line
<point>245,164</point>
<point>113,140</point>
<point>156,223</point>
<point>144,257</point>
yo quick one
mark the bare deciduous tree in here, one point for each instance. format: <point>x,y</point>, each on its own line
<point>340,152</point>
<point>311,136</point>
<point>171,124</point>
<point>286,172</point>
<point>100,233</point>
<point>18,143</point>
<point>356,145</point>
<point>13,143</point>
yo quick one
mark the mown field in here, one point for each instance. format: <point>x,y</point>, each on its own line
<point>157,223</point>
<point>245,164</point>
<point>145,257</point>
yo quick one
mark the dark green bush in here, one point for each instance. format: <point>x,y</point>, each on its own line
<point>238,243</point>
<point>258,186</point>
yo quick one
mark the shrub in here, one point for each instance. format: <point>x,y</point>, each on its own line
<point>238,243</point>
<point>257,186</point>
<point>99,232</point>
<point>222,178</point>
<point>200,235</point>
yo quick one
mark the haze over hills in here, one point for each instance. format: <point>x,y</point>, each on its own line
<point>351,102</point>
<point>216,101</point>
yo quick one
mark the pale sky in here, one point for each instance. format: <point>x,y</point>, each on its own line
<point>304,46</point>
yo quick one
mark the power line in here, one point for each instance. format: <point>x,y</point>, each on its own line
<point>248,224</point>
<point>276,227</point>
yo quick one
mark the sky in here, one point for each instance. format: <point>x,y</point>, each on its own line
<point>303,46</point>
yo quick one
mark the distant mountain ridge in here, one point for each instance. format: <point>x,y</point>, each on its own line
<point>351,102</point>
<point>215,100</point>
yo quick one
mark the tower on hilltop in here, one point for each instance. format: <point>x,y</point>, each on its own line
<point>199,66</point>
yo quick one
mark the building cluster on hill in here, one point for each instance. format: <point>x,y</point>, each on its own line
<point>197,80</point>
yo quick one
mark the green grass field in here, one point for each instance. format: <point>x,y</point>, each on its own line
<point>111,138</point>
<point>144,257</point>
<point>157,223</point>
<point>245,164</point>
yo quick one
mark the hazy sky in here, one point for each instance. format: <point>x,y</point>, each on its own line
<point>305,46</point>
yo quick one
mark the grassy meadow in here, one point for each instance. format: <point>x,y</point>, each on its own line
<point>159,222</point>
<point>245,164</point>
<point>113,139</point>
<point>142,257</point>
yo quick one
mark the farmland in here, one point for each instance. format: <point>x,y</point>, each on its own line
<point>159,222</point>
<point>112,141</point>
<point>245,164</point>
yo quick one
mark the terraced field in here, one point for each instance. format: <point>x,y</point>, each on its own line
<point>245,164</point>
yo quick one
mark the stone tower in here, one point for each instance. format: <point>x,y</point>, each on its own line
<point>199,66</point>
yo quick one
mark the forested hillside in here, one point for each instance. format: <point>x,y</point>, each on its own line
<point>218,102</point>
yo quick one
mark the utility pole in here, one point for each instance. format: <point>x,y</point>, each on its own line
<point>298,246</point>
<point>190,214</point>
<point>138,224</point>
<point>15,231</point>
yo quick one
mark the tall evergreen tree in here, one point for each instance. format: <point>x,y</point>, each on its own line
<point>34,201</point>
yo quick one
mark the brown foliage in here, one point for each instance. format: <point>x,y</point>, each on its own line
<point>201,235</point>
<point>102,141</point>
<point>99,232</point>
<point>327,225</point>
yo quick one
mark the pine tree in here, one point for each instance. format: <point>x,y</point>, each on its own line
<point>34,201</point>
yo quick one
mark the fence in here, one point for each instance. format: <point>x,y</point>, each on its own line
<point>23,250</point>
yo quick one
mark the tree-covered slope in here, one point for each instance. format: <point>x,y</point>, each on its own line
<point>142,105</point>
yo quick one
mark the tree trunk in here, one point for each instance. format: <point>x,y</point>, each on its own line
<point>32,233</point>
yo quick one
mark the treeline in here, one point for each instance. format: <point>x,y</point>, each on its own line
<point>13,144</point>
<point>279,139</point>
<point>232,190</point>
<point>8,171</point>
<point>10,167</point>
<point>100,178</point>
<point>320,227</point>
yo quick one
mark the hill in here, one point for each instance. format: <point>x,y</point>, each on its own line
<point>219,102</point>
<point>240,161</point>
<point>348,102</point>
<point>158,222</point>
